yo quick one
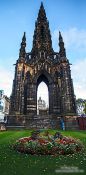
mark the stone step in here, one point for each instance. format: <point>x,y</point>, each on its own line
<point>42,116</point>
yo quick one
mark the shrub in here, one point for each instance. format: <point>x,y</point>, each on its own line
<point>48,145</point>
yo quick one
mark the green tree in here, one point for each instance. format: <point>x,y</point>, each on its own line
<point>80,104</point>
<point>85,108</point>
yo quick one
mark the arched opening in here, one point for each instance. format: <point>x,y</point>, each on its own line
<point>42,95</point>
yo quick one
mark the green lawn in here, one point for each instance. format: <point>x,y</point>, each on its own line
<point>13,163</point>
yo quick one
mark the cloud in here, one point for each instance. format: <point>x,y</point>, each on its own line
<point>78,71</point>
<point>73,39</point>
<point>6,79</point>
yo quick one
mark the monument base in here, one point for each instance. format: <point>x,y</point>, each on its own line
<point>41,122</point>
<point>71,122</point>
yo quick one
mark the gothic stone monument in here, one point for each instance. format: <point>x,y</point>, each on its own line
<point>42,64</point>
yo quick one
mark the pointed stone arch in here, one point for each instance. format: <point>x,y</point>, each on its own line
<point>43,78</point>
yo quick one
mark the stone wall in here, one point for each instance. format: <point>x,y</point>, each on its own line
<point>41,122</point>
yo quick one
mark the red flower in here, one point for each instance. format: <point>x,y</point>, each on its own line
<point>42,141</point>
<point>66,140</point>
<point>25,139</point>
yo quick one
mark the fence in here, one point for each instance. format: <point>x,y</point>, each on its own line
<point>82,123</point>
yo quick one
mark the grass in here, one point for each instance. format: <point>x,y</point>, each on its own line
<point>14,163</point>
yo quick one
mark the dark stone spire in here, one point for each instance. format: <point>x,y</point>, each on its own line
<point>42,13</point>
<point>42,37</point>
<point>62,51</point>
<point>22,52</point>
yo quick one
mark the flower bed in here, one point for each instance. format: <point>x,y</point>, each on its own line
<point>48,145</point>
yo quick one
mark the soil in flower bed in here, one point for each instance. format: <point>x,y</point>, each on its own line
<point>48,144</point>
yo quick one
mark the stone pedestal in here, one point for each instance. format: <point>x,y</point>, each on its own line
<point>71,122</point>
<point>41,121</point>
<point>33,122</point>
